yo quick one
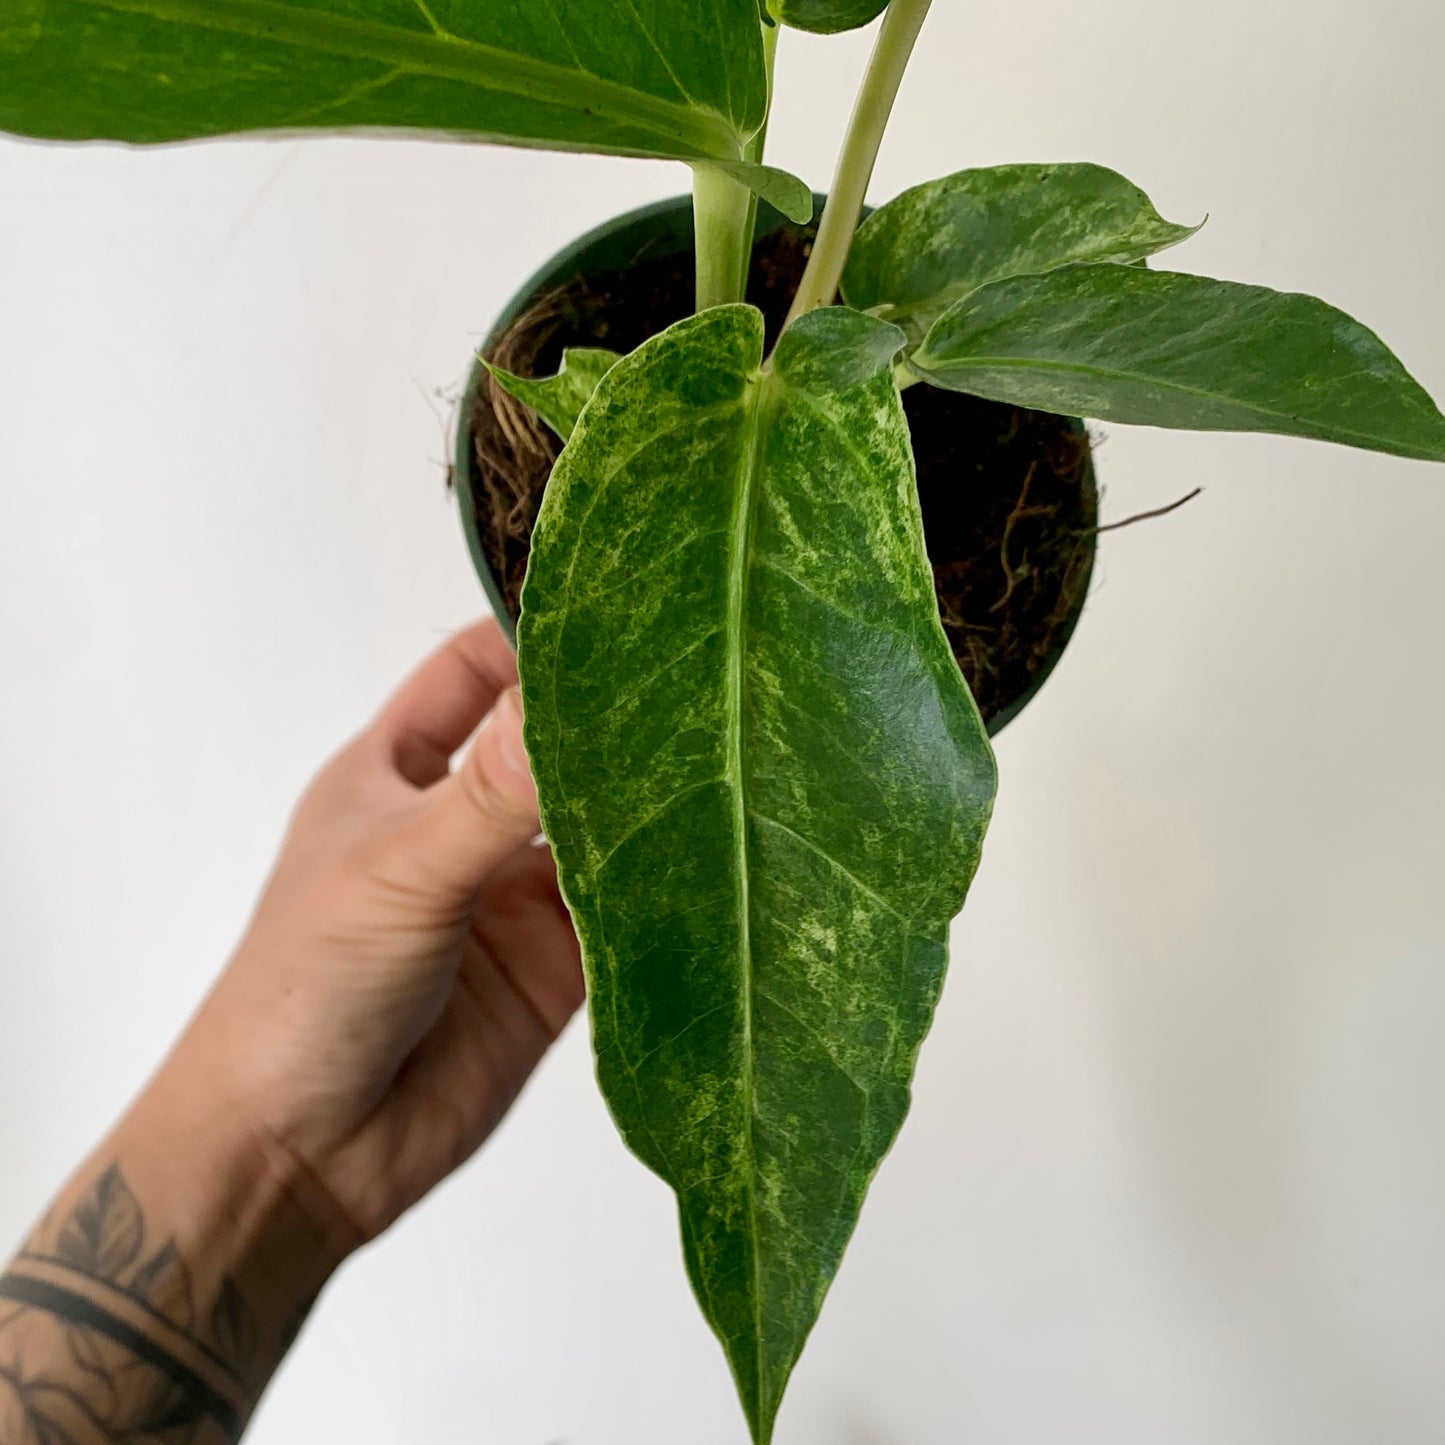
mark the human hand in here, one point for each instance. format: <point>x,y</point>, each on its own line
<point>411,958</point>
<point>407,966</point>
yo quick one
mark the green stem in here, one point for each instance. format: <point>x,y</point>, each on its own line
<point>758,145</point>
<point>901,23</point>
<point>720,208</point>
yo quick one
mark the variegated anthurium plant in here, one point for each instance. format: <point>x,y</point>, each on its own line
<point>762,774</point>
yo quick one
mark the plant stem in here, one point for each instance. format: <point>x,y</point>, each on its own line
<point>902,21</point>
<point>725,212</point>
<point>720,213</point>
<point>758,145</point>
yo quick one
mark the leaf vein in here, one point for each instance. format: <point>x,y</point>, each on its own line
<point>1014,363</point>
<point>828,858</point>
<point>677,1038</point>
<point>446,56</point>
<point>635,690</point>
<point>820,1038</point>
<point>649,818</point>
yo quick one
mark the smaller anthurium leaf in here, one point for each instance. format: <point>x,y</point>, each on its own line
<point>559,399</point>
<point>782,190</point>
<point>1161,349</point>
<point>836,348</point>
<point>828,17</point>
<point>925,250</point>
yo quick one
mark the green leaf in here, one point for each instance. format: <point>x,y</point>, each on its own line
<point>559,399</point>
<point>928,248</point>
<point>1160,349</point>
<point>828,17</point>
<point>782,190</point>
<point>766,786</point>
<point>674,78</point>
<point>834,349</point>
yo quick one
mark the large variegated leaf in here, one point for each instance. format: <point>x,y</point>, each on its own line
<point>765,783</point>
<point>916,256</point>
<point>1128,345</point>
<point>674,78</point>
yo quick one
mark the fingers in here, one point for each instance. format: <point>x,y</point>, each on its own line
<point>471,820</point>
<point>436,709</point>
<point>523,925</point>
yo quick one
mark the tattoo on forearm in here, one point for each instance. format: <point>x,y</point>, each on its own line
<point>143,1362</point>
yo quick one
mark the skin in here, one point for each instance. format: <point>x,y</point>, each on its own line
<point>409,963</point>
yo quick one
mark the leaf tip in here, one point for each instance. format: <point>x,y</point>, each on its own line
<point>795,201</point>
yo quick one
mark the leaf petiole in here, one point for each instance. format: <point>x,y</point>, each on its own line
<point>902,22</point>
<point>758,144</point>
<point>725,213</point>
<point>721,207</point>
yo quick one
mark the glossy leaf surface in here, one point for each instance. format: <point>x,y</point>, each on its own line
<point>766,785</point>
<point>673,78</point>
<point>559,399</point>
<point>926,249</point>
<point>1124,344</point>
<point>828,17</point>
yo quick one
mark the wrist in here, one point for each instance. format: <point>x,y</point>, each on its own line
<point>180,1260</point>
<point>186,1213</point>
<point>242,1207</point>
<point>178,1264</point>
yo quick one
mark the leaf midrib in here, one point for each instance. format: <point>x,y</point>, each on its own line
<point>953,293</point>
<point>1371,440</point>
<point>449,57</point>
<point>757,411</point>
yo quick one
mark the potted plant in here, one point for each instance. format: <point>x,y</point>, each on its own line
<point>762,772</point>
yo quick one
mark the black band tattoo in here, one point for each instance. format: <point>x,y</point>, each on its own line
<point>145,1365</point>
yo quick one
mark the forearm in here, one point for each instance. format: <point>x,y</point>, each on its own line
<point>406,968</point>
<point>163,1287</point>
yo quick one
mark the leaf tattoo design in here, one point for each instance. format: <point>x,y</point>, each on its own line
<point>130,1365</point>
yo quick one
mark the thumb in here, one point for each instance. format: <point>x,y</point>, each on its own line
<point>482,812</point>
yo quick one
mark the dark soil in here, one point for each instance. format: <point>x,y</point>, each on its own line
<point>1009,506</point>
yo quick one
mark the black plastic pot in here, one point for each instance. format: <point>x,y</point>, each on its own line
<point>661,229</point>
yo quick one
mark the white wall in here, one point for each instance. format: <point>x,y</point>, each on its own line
<point>1175,1171</point>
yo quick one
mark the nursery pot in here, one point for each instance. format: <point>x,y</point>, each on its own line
<point>1009,498</point>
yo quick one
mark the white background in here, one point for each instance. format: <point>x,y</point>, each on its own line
<point>1176,1171</point>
